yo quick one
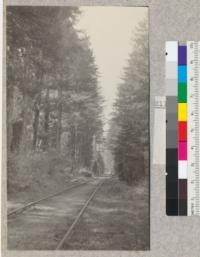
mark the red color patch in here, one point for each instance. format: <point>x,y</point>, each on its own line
<point>182,131</point>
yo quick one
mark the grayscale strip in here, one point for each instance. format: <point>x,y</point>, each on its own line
<point>171,80</point>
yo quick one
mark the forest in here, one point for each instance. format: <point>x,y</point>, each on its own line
<point>77,133</point>
<point>128,137</point>
<point>55,122</point>
<point>54,108</point>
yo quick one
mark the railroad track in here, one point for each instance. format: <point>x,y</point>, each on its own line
<point>79,215</point>
<point>23,208</point>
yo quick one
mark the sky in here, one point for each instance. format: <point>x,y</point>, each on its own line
<point>110,30</point>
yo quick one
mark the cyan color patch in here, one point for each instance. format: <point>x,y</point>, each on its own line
<point>182,73</point>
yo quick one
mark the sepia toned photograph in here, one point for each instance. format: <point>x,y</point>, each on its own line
<point>77,123</point>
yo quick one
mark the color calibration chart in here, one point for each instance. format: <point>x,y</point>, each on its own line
<point>182,128</point>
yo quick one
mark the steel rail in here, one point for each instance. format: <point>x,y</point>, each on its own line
<point>66,235</point>
<point>23,208</point>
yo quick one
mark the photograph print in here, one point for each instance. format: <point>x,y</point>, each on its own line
<point>77,125</point>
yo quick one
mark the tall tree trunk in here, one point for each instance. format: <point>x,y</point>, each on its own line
<point>25,110</point>
<point>37,109</point>
<point>10,106</point>
<point>25,120</point>
<point>74,147</point>
<point>46,119</point>
<point>59,121</point>
<point>36,120</point>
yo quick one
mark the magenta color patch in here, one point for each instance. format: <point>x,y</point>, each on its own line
<point>182,150</point>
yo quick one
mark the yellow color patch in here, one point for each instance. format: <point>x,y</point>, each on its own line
<point>182,111</point>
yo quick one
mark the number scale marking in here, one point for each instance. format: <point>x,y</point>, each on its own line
<point>193,57</point>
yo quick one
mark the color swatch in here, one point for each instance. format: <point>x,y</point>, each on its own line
<point>182,133</point>
<point>182,128</point>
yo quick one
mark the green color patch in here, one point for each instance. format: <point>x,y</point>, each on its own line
<point>182,92</point>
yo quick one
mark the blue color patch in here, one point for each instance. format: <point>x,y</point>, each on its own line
<point>182,74</point>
